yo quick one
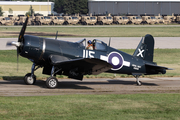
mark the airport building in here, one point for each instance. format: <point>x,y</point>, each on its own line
<point>137,7</point>
<point>21,7</point>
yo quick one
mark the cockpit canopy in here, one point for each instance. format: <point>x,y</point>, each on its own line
<point>97,44</point>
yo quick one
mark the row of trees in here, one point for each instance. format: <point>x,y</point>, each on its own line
<point>1,12</point>
<point>63,6</point>
<point>71,6</point>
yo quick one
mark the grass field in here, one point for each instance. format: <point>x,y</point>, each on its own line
<point>164,57</point>
<point>92,107</point>
<point>101,31</point>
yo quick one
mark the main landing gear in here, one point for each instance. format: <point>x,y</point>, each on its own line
<point>139,83</point>
<point>51,82</point>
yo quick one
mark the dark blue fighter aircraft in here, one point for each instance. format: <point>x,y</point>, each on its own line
<point>74,60</point>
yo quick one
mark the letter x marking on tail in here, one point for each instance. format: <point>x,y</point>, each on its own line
<point>140,52</point>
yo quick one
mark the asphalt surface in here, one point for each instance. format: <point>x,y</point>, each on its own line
<point>116,42</point>
<point>91,86</point>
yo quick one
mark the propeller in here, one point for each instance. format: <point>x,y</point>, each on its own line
<point>19,43</point>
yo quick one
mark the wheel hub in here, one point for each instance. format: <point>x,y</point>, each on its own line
<point>30,79</point>
<point>52,82</point>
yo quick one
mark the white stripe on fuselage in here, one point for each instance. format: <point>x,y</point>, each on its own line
<point>105,58</point>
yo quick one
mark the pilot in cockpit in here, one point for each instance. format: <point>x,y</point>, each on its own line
<point>90,45</point>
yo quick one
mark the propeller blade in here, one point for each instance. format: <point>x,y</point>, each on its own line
<point>21,34</point>
<point>20,40</point>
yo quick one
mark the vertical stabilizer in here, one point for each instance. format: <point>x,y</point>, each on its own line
<point>145,49</point>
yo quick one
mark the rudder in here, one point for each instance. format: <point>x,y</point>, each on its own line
<point>145,49</point>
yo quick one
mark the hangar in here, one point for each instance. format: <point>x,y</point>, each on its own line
<point>137,7</point>
<point>21,7</point>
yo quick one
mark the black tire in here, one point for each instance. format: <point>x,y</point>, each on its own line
<point>38,23</point>
<point>101,23</point>
<point>29,80</point>
<point>32,23</point>
<point>15,23</point>
<point>66,23</point>
<point>51,82</point>
<point>85,23</point>
<point>51,23</point>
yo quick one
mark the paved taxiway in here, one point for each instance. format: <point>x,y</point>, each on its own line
<point>91,86</point>
<point>116,42</point>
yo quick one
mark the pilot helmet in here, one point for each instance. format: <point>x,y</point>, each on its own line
<point>89,42</point>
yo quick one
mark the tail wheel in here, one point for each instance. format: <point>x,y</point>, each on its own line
<point>29,80</point>
<point>52,82</point>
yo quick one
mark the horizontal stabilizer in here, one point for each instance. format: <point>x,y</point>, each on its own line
<point>157,67</point>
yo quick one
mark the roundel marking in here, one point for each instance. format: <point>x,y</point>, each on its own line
<point>116,60</point>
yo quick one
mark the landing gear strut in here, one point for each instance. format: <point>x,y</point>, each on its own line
<point>52,81</point>
<point>139,83</point>
<point>30,78</point>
